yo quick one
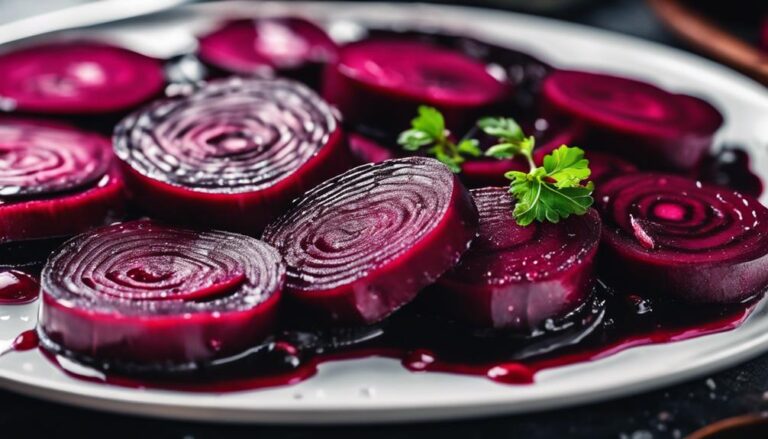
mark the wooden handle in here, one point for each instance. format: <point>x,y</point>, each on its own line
<point>713,40</point>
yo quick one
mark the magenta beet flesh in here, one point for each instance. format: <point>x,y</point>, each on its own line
<point>363,244</point>
<point>366,150</point>
<point>674,236</point>
<point>55,180</point>
<point>142,292</point>
<point>632,119</point>
<point>381,83</point>
<point>517,277</point>
<point>231,155</point>
<point>286,45</point>
<point>78,78</point>
<point>606,166</point>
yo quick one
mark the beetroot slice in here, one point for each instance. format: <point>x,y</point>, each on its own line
<point>675,236</point>
<point>366,150</point>
<point>517,277</point>
<point>363,244</point>
<point>232,154</point>
<point>635,120</point>
<point>607,166</point>
<point>381,83</point>
<point>55,180</point>
<point>77,78</point>
<point>287,45</point>
<point>141,292</point>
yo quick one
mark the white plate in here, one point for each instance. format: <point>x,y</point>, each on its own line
<point>380,390</point>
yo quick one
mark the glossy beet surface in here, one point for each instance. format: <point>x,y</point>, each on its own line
<point>607,166</point>
<point>638,121</point>
<point>678,237</point>
<point>381,83</point>
<point>54,180</point>
<point>284,45</point>
<point>142,292</point>
<point>77,78</point>
<point>237,149</point>
<point>517,277</point>
<point>363,244</point>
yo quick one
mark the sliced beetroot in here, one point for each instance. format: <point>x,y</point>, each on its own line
<point>55,180</point>
<point>289,46</point>
<point>77,78</point>
<point>231,155</point>
<point>363,244</point>
<point>516,277</point>
<point>380,84</point>
<point>632,119</point>
<point>521,70</point>
<point>141,292</point>
<point>366,150</point>
<point>677,237</point>
<point>606,166</point>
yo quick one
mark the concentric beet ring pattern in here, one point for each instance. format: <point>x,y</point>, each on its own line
<point>363,244</point>
<point>55,180</point>
<point>77,77</point>
<point>641,122</point>
<point>516,277</point>
<point>39,158</point>
<point>683,238</point>
<point>141,292</point>
<point>240,149</point>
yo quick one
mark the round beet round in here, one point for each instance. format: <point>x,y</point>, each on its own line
<point>677,237</point>
<point>77,78</point>
<point>363,244</point>
<point>635,120</point>
<point>289,46</point>
<point>366,150</point>
<point>141,292</point>
<point>516,277</point>
<point>607,166</point>
<point>231,155</point>
<point>381,83</point>
<point>55,180</point>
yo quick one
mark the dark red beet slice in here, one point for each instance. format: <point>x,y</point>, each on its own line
<point>363,244</point>
<point>517,277</point>
<point>677,237</point>
<point>142,292</point>
<point>607,166</point>
<point>381,83</point>
<point>764,34</point>
<point>635,120</point>
<point>54,180</point>
<point>287,45</point>
<point>232,154</point>
<point>77,78</point>
<point>366,150</point>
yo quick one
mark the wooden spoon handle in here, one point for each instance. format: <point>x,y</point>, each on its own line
<point>713,40</point>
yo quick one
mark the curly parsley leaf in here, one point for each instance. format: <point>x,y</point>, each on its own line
<point>428,131</point>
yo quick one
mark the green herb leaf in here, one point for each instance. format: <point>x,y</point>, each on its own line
<point>567,166</point>
<point>502,127</point>
<point>554,191</point>
<point>430,121</point>
<point>428,131</point>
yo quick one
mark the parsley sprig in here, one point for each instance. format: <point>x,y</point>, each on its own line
<point>550,192</point>
<point>428,130</point>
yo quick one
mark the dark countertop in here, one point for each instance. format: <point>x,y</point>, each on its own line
<point>670,413</point>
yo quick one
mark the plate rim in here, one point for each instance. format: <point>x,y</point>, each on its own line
<point>150,404</point>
